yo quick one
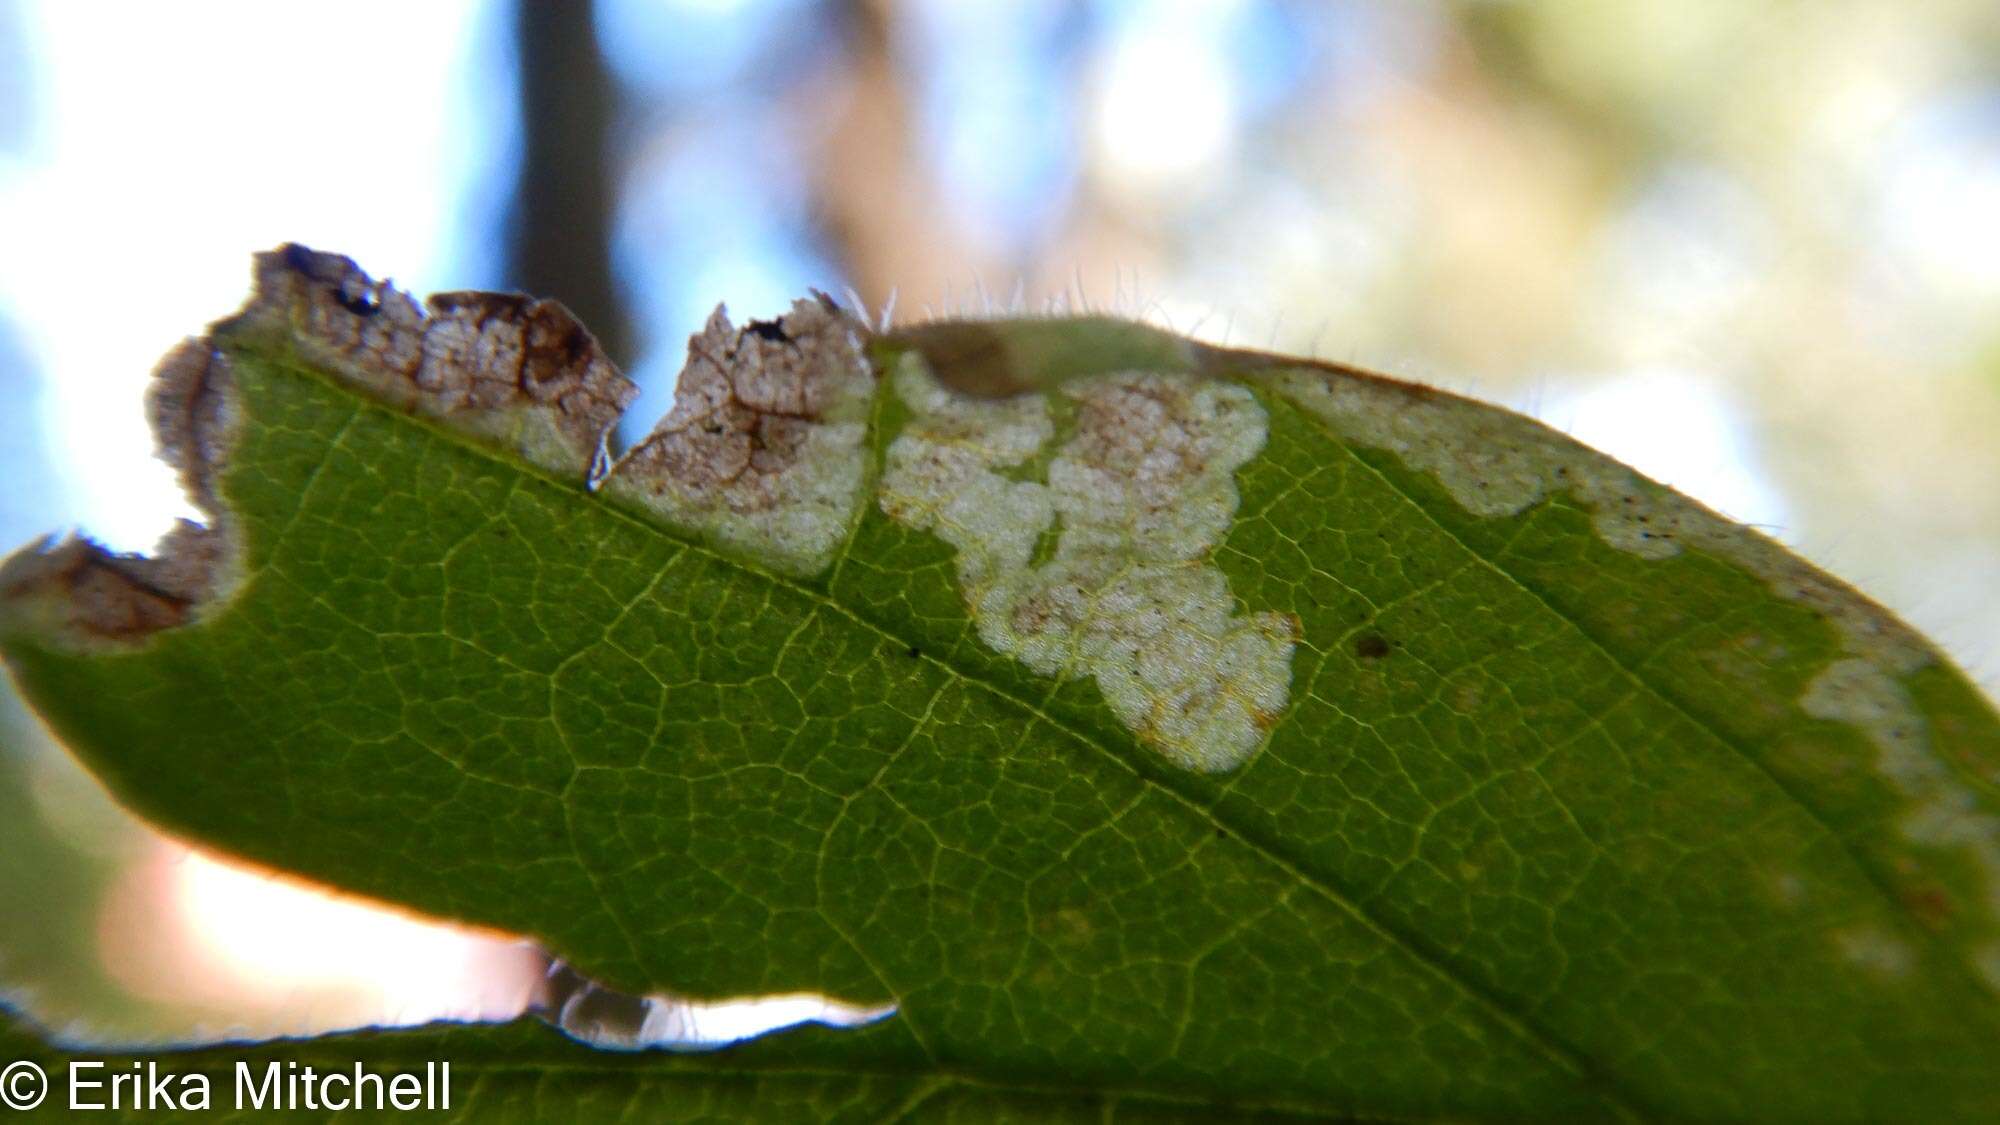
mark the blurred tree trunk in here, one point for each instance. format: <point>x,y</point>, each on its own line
<point>876,199</point>
<point>559,227</point>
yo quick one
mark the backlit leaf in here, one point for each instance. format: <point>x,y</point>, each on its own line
<point>1162,729</point>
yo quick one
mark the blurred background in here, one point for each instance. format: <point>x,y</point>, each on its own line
<point>1752,249</point>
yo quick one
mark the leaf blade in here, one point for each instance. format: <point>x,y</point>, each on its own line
<point>1453,882</point>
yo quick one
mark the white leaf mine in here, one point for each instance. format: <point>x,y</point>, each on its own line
<point>1137,498</point>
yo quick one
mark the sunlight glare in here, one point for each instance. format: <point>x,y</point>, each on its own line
<point>1166,107</point>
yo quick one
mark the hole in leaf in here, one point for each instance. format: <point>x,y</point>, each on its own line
<point>611,1020</point>
<point>363,303</point>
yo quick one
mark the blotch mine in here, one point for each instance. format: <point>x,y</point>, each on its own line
<point>1141,492</point>
<point>1495,462</point>
<point>501,367</point>
<point>1939,811</point>
<point>763,449</point>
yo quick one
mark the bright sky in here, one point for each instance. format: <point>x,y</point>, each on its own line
<point>162,155</point>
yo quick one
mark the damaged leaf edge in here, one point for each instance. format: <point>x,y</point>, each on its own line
<point>507,371</point>
<point>75,592</point>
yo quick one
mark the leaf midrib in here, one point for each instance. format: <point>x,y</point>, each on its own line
<point>1523,1026</point>
<point>1864,866</point>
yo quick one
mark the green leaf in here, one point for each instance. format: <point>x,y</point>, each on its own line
<point>1157,726</point>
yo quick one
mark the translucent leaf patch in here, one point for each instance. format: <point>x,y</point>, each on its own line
<point>1138,496</point>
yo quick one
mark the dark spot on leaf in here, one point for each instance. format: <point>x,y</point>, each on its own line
<point>969,358</point>
<point>1371,646</point>
<point>1929,905</point>
<point>915,652</point>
